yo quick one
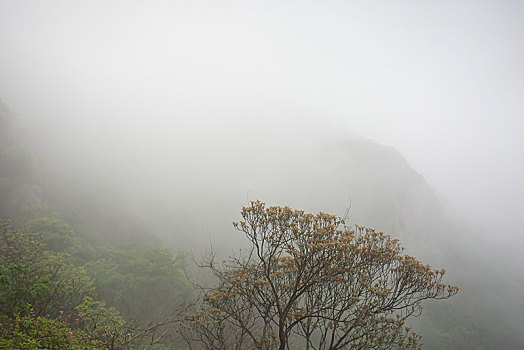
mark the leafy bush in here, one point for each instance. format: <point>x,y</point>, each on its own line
<point>39,333</point>
<point>33,277</point>
<point>144,284</point>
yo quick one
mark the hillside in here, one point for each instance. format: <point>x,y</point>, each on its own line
<point>183,191</point>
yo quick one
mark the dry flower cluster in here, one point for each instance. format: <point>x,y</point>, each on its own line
<point>309,282</point>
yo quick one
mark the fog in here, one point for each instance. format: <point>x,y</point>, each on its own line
<point>172,107</point>
<point>442,82</point>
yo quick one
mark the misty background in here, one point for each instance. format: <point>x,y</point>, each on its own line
<point>176,113</point>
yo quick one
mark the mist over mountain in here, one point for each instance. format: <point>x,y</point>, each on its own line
<point>132,133</point>
<point>199,174</point>
<point>186,187</point>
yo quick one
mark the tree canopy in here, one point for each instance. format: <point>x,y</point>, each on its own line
<point>308,281</point>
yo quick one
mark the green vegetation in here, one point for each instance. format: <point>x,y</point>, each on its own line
<point>113,301</point>
<point>36,278</point>
<point>39,333</point>
<point>140,282</point>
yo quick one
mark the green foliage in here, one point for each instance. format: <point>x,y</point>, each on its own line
<point>93,313</point>
<point>144,284</point>
<point>55,233</point>
<point>40,290</point>
<point>31,210</point>
<point>45,220</point>
<point>40,333</point>
<point>37,278</point>
<point>102,323</point>
<point>19,287</point>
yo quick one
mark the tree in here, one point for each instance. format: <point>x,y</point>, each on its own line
<point>140,282</point>
<point>309,282</point>
<point>33,278</point>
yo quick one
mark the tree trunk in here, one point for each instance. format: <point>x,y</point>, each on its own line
<point>282,335</point>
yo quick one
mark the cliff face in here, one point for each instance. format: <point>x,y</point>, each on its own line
<point>387,192</point>
<point>193,181</point>
<point>322,174</point>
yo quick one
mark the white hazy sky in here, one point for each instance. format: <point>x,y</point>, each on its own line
<point>441,81</point>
